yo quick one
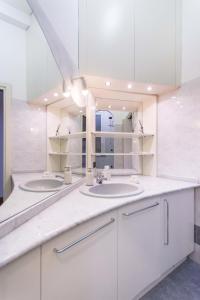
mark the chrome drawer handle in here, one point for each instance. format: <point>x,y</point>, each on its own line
<point>112,220</point>
<point>166,242</point>
<point>140,210</point>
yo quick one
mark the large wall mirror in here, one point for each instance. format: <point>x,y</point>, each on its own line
<point>48,128</point>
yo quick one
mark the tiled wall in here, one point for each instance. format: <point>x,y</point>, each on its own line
<point>179,140</point>
<point>28,137</point>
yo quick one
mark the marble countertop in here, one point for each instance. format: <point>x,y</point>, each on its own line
<point>73,209</point>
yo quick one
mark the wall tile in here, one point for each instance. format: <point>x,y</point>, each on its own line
<point>179,132</point>
<point>28,137</point>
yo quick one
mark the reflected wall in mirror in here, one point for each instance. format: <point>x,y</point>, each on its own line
<point>116,149</point>
<point>121,142</point>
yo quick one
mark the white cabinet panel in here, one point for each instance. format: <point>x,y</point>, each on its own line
<point>88,270</point>
<point>139,247</point>
<point>106,38</point>
<point>155,41</point>
<point>178,227</point>
<point>20,280</point>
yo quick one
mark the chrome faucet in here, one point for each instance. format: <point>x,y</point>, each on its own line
<point>100,178</point>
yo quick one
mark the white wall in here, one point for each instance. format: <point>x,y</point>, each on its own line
<point>13,59</point>
<point>190,40</point>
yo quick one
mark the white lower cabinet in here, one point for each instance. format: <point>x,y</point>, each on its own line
<point>112,257</point>
<point>178,227</point>
<point>86,270</point>
<point>139,247</point>
<point>20,280</point>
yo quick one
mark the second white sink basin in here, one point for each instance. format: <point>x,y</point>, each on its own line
<point>112,190</point>
<point>43,185</point>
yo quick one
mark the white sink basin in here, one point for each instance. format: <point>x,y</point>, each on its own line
<point>42,185</point>
<point>112,190</point>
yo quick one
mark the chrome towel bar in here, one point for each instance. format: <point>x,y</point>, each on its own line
<point>58,251</point>
<point>140,210</point>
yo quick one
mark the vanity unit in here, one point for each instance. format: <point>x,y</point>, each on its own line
<point>112,249</point>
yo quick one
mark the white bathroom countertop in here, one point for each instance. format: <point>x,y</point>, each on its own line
<point>76,208</point>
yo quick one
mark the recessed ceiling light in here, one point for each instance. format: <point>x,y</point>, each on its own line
<point>45,99</point>
<point>81,111</point>
<point>108,83</point>
<point>66,94</point>
<point>55,94</point>
<point>85,92</point>
<point>124,108</point>
<point>130,86</point>
<point>109,106</point>
<point>149,88</point>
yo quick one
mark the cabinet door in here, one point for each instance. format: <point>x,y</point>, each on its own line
<point>20,280</point>
<point>156,40</point>
<point>87,270</point>
<point>139,247</point>
<point>178,227</point>
<point>106,38</point>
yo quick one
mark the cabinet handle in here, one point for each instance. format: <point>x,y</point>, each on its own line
<point>112,220</point>
<point>140,210</point>
<point>166,241</point>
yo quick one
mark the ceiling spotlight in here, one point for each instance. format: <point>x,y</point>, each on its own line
<point>124,108</point>
<point>81,111</point>
<point>45,99</point>
<point>130,86</point>
<point>108,83</point>
<point>85,92</point>
<point>66,94</point>
<point>149,88</point>
<point>55,94</point>
<point>109,106</point>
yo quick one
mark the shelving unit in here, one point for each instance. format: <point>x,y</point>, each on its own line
<point>65,148</point>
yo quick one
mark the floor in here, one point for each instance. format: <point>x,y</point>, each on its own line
<point>182,284</point>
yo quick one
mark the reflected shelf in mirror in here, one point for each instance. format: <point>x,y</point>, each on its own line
<point>121,134</point>
<point>123,154</point>
<point>66,153</point>
<point>69,136</point>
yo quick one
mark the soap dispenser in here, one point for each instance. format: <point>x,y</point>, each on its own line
<point>68,175</point>
<point>89,177</point>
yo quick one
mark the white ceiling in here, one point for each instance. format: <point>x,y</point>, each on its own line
<point>19,4</point>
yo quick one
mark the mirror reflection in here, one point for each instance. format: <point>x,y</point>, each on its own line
<point>47,131</point>
<point>118,124</point>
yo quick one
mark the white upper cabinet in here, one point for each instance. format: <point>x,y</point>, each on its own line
<point>130,40</point>
<point>106,43</point>
<point>155,41</point>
